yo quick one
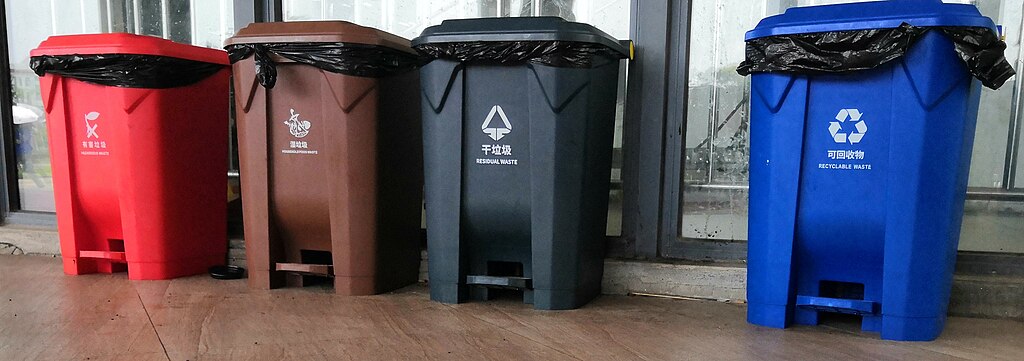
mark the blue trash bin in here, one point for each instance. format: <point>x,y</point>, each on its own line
<point>858,177</point>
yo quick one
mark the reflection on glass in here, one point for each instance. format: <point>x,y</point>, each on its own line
<point>714,213</point>
<point>212,22</point>
<point>989,157</point>
<point>32,153</point>
<point>1019,182</point>
<point>717,146</point>
<point>995,226</point>
<point>151,18</point>
<point>178,21</point>
<point>29,22</point>
<point>408,19</point>
<point>992,226</point>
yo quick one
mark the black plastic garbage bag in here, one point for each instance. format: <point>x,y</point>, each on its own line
<point>361,60</point>
<point>126,70</point>
<point>846,51</point>
<point>563,54</point>
<point>982,51</point>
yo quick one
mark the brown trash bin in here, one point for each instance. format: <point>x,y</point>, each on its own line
<point>331,162</point>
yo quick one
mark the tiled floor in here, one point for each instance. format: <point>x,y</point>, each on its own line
<point>45,315</point>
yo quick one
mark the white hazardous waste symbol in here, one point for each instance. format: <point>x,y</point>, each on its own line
<point>852,116</point>
<point>90,129</point>
<point>496,133</point>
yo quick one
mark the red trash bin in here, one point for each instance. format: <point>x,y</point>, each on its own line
<point>138,151</point>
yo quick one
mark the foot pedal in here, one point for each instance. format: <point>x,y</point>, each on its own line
<point>837,305</point>
<point>322,270</point>
<point>107,255</point>
<point>519,283</point>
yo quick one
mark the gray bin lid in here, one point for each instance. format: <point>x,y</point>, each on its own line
<point>542,28</point>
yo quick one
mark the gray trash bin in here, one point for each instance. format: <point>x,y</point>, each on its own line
<point>518,119</point>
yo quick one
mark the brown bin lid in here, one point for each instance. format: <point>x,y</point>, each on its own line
<point>317,32</point>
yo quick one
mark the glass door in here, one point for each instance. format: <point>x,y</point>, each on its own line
<point>203,23</point>
<point>713,216</point>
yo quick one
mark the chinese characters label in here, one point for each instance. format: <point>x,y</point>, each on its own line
<point>496,129</point>
<point>847,127</point>
<point>298,147</point>
<point>845,155</point>
<point>299,129</point>
<point>499,152</point>
<point>90,146</point>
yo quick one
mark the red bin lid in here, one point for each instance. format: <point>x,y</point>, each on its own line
<point>124,43</point>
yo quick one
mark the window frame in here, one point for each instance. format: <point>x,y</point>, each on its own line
<point>653,127</point>
<point>9,193</point>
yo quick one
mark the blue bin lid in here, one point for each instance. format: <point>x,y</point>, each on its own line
<point>869,15</point>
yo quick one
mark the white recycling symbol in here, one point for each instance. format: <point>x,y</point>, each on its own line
<point>851,116</point>
<point>495,132</point>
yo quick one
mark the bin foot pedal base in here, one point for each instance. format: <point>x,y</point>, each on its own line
<point>837,305</point>
<point>112,256</point>
<point>500,282</point>
<point>321,270</point>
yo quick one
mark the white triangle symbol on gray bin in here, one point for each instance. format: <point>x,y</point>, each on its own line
<point>495,132</point>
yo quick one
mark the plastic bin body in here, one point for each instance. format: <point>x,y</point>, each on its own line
<point>870,227</point>
<point>526,210</point>
<point>142,185</point>
<point>344,202</point>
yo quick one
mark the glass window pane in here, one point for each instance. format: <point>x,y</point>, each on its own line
<point>409,18</point>
<point>304,10</point>
<point>212,22</point>
<point>995,226</point>
<point>1012,19</point>
<point>1019,182</point>
<point>372,13</point>
<point>120,16</point>
<point>716,145</point>
<point>150,18</point>
<point>989,158</point>
<point>992,226</point>
<point>178,16</point>
<point>30,21</point>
